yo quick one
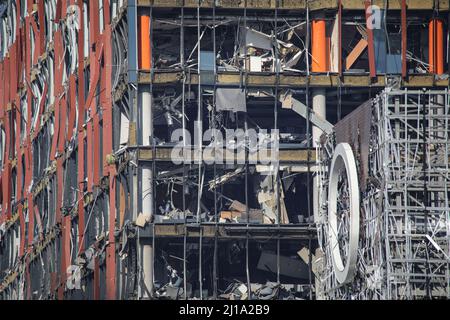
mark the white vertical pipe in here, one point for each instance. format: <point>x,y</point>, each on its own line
<point>86,29</point>
<point>145,105</point>
<point>146,132</point>
<point>101,15</point>
<point>113,9</point>
<point>124,129</point>
<point>51,80</point>
<point>440,101</point>
<point>319,108</point>
<point>147,266</point>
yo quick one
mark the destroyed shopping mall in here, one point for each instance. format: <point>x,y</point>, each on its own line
<point>224,149</point>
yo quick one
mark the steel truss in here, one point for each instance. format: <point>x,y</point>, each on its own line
<point>405,216</point>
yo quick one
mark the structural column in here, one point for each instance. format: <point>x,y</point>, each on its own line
<point>146,131</point>
<point>319,64</point>
<point>436,63</point>
<point>436,46</point>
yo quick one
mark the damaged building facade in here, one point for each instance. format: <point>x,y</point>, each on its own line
<point>224,149</point>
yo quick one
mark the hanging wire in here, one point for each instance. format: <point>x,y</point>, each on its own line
<point>277,168</point>
<point>153,146</point>
<point>214,125</point>
<point>199,119</point>
<point>183,111</point>
<point>247,235</point>
<point>308,136</point>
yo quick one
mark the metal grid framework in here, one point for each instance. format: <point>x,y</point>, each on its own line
<point>404,241</point>
<point>199,97</point>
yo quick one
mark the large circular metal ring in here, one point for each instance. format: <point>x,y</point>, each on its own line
<point>343,159</point>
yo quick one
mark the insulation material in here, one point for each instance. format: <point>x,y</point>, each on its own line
<point>230,99</point>
<point>291,266</point>
<point>257,39</point>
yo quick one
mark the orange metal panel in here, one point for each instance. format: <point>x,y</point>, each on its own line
<point>319,46</point>
<point>436,46</point>
<point>356,52</point>
<point>144,50</point>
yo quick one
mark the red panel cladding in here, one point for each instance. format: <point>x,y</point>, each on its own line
<point>81,104</point>
<point>81,135</point>
<point>41,15</point>
<point>22,230</point>
<point>96,279</point>
<point>30,6</point>
<point>2,91</point>
<point>65,254</point>
<point>94,23</point>
<point>19,151</point>
<point>55,135</point>
<point>60,220</point>
<point>6,173</point>
<point>90,168</point>
<point>111,248</point>
<point>23,46</point>
<point>109,169</point>
<point>58,11</point>
<point>96,149</point>
<point>27,48</point>
<point>59,192</point>
<point>68,116</point>
<point>7,83</point>
<point>62,125</point>
<point>5,189</point>
<point>340,37</point>
<point>37,45</point>
<point>106,16</point>
<point>13,71</point>
<point>30,219</point>
<point>59,62</point>
<point>41,106</point>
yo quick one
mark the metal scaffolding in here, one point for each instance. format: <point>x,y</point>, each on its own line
<point>403,250</point>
